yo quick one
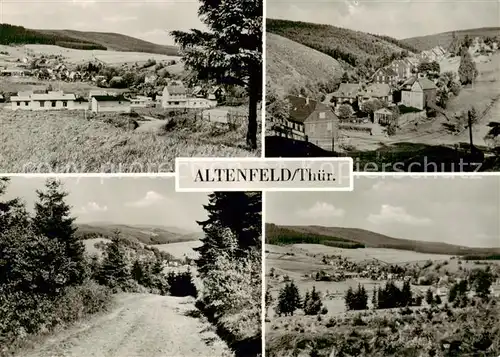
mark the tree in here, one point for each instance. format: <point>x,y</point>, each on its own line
<point>230,52</point>
<point>406,294</point>
<point>234,225</point>
<point>481,281</point>
<point>374,298</point>
<point>53,220</point>
<point>371,106</point>
<point>312,303</point>
<point>344,111</point>
<point>467,71</point>
<point>429,297</point>
<point>12,212</point>
<point>437,300</point>
<point>114,270</point>
<point>356,300</point>
<point>288,299</point>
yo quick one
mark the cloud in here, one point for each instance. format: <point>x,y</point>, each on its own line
<point>149,199</point>
<point>118,18</point>
<point>92,207</point>
<point>321,210</point>
<point>390,214</point>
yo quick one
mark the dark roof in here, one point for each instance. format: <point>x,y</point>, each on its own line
<point>177,89</point>
<point>301,110</point>
<point>110,98</point>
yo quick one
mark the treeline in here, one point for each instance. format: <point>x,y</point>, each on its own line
<point>281,236</point>
<point>290,300</point>
<point>481,257</point>
<point>352,47</point>
<point>18,35</point>
<point>230,267</point>
<point>47,279</point>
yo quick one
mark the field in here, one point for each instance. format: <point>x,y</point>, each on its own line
<point>181,249</point>
<point>68,141</point>
<point>295,335</point>
<point>75,56</point>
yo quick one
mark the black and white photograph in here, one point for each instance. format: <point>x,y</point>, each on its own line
<point>399,267</point>
<point>115,267</point>
<point>396,85</point>
<point>112,86</point>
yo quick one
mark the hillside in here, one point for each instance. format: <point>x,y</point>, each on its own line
<point>445,39</point>
<point>116,42</point>
<point>291,66</point>
<point>18,35</point>
<point>141,234</point>
<point>352,47</point>
<point>369,239</point>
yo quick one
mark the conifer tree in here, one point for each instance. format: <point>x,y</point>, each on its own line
<point>429,297</point>
<point>230,52</point>
<point>114,270</point>
<point>234,224</point>
<point>467,71</point>
<point>53,220</point>
<point>312,302</point>
<point>12,212</point>
<point>375,298</point>
<point>406,294</point>
<point>289,299</point>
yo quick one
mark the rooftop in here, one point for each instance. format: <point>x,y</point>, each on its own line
<point>110,98</point>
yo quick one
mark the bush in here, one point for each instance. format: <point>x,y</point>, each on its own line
<point>181,284</point>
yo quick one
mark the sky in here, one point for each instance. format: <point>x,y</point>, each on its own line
<point>131,201</point>
<point>462,211</point>
<point>149,20</point>
<point>396,18</point>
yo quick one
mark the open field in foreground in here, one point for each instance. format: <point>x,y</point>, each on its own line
<point>64,141</point>
<point>414,332</point>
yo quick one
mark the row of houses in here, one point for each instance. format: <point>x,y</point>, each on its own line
<point>174,97</point>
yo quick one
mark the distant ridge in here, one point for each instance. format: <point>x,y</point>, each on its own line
<point>444,39</point>
<point>375,240</point>
<point>141,233</point>
<point>18,35</point>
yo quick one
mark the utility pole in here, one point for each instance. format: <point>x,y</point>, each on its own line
<point>469,119</point>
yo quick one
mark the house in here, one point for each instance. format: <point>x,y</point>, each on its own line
<point>383,116</point>
<point>385,75</point>
<point>81,103</point>
<point>150,79</point>
<point>418,92</point>
<point>380,91</point>
<point>216,93</point>
<point>93,93</point>
<point>314,121</point>
<point>347,93</point>
<point>174,96</point>
<point>141,102</point>
<point>198,92</point>
<point>403,68</point>
<point>52,100</point>
<point>110,103</point>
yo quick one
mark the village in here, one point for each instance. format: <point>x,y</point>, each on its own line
<point>397,102</point>
<point>120,88</point>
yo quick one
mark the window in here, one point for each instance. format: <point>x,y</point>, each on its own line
<point>26,104</point>
<point>53,104</point>
<point>65,104</point>
<point>42,103</point>
<point>176,103</point>
<point>322,115</point>
<point>329,126</point>
<point>119,102</point>
<point>18,104</point>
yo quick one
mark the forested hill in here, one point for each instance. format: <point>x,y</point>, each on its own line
<point>18,35</point>
<point>445,39</point>
<point>352,47</point>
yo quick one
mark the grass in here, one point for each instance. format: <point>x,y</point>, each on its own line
<point>65,142</point>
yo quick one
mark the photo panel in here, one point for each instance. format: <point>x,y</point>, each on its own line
<point>383,271</point>
<point>130,88</point>
<point>118,267</point>
<point>399,86</point>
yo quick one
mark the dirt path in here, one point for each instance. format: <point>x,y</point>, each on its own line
<point>141,325</point>
<point>153,125</point>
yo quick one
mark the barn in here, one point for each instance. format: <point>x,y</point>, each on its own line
<point>110,103</point>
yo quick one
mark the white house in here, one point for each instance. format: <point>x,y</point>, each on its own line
<point>53,100</point>
<point>174,96</point>
<point>110,103</point>
<point>141,102</point>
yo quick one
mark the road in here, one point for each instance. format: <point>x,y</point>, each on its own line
<point>140,325</point>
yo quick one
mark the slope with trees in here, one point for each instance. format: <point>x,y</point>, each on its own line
<point>230,52</point>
